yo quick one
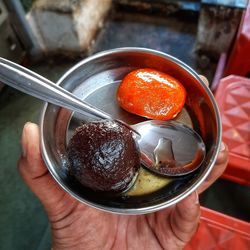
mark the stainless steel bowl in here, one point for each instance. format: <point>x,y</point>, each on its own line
<point>95,80</point>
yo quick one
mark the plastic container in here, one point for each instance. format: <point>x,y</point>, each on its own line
<point>219,231</point>
<point>233,98</point>
<point>239,59</point>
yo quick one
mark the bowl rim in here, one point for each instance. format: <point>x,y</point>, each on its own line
<point>162,205</point>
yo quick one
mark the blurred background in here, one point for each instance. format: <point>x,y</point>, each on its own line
<point>49,37</point>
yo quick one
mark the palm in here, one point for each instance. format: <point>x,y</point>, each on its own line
<point>89,228</point>
<point>75,225</point>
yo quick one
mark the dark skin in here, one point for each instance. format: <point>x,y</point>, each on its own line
<point>78,226</point>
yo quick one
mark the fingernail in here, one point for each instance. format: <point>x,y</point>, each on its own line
<point>222,146</point>
<point>197,202</point>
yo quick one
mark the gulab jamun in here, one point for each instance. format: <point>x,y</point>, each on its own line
<point>103,156</point>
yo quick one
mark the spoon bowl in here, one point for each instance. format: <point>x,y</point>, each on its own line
<point>170,148</point>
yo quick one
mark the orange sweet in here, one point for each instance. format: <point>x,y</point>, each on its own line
<point>152,94</point>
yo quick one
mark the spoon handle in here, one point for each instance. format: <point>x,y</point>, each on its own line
<point>33,84</point>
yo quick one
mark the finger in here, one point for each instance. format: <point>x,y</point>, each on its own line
<point>219,168</point>
<point>223,155</point>
<point>31,154</point>
<point>185,218</point>
<point>204,79</point>
<point>31,165</point>
<point>35,173</point>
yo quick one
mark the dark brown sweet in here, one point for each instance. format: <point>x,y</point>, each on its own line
<point>103,156</point>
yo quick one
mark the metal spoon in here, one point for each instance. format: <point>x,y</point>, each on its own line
<point>167,148</point>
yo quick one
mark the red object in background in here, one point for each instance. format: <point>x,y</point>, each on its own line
<point>219,231</point>
<point>239,59</point>
<point>233,98</point>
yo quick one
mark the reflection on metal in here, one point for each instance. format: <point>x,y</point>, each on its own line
<point>163,153</point>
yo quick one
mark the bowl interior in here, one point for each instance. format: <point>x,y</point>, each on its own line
<point>95,80</point>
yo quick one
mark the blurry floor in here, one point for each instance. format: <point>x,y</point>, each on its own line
<point>23,223</point>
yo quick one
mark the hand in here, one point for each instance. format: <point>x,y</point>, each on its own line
<point>78,226</point>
